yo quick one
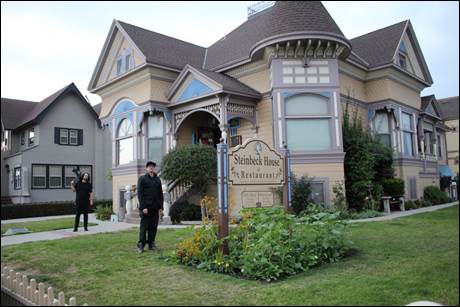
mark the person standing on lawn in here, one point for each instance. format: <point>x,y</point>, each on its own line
<point>150,197</point>
<point>83,199</point>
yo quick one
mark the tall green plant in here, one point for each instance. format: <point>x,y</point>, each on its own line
<point>197,163</point>
<point>359,161</point>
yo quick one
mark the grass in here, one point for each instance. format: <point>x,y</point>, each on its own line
<point>47,225</point>
<point>397,262</point>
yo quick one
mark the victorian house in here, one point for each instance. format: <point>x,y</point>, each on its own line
<point>284,75</point>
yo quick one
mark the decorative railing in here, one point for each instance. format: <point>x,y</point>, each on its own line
<point>177,189</point>
<point>18,288</point>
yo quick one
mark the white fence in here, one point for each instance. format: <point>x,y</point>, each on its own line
<point>19,288</point>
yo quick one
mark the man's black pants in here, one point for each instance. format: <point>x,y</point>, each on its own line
<point>149,225</point>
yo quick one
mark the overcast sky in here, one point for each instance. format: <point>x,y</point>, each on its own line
<point>47,45</point>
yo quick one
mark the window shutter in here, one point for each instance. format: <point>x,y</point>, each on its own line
<point>56,135</point>
<point>80,137</point>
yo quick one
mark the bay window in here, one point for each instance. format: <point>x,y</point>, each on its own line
<point>308,122</point>
<point>408,132</point>
<point>382,128</point>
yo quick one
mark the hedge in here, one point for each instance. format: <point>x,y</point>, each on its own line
<point>16,211</point>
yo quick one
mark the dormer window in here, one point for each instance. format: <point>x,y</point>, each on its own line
<point>402,55</point>
<point>125,61</point>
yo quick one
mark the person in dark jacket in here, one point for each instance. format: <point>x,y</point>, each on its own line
<point>150,197</point>
<point>83,199</point>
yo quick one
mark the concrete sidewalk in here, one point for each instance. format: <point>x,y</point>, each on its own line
<point>398,214</point>
<point>68,233</point>
<point>37,219</point>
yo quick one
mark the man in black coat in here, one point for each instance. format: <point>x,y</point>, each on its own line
<point>150,197</point>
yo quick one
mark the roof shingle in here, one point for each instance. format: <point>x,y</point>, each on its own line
<point>449,107</point>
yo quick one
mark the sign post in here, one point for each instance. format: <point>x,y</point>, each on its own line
<point>222,190</point>
<point>287,181</point>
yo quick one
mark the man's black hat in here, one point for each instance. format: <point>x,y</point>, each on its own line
<point>150,162</point>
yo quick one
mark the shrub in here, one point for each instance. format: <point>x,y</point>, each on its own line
<point>340,199</point>
<point>103,213</point>
<point>184,211</point>
<point>393,187</point>
<point>16,211</point>
<point>434,195</point>
<point>200,167</point>
<point>267,244</point>
<point>409,205</point>
<point>420,203</point>
<point>301,193</point>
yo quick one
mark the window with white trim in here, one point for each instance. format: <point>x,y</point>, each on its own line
<point>63,136</point>
<point>39,176</point>
<point>17,178</point>
<point>69,175</point>
<point>125,61</point>
<point>382,128</point>
<point>308,112</point>
<point>31,136</point>
<point>73,137</point>
<point>155,138</point>
<point>408,132</point>
<point>125,142</point>
<point>402,55</point>
<point>55,176</point>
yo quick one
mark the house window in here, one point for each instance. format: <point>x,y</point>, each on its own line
<point>124,61</point>
<point>64,136</point>
<point>69,175</point>
<point>382,128</point>
<point>73,137</point>
<point>402,55</point>
<point>155,138</point>
<point>55,176</point>
<point>17,178</point>
<point>413,187</point>
<point>317,192</point>
<point>439,146</point>
<point>125,143</point>
<point>407,134</point>
<point>31,136</point>
<point>23,138</point>
<point>308,112</point>
<point>39,176</point>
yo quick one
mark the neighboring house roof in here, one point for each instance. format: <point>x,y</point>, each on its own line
<point>285,17</point>
<point>449,108</point>
<point>33,112</point>
<point>97,108</point>
<point>14,110</point>
<point>164,50</point>
<point>378,47</point>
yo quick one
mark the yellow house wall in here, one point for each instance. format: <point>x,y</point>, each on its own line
<point>260,81</point>
<point>118,183</point>
<point>452,144</point>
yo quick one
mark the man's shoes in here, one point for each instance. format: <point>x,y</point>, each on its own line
<point>86,229</point>
<point>140,249</point>
<point>75,230</point>
<point>152,247</point>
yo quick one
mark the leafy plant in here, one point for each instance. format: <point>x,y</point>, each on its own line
<point>434,195</point>
<point>301,193</point>
<point>103,213</point>
<point>267,244</point>
<point>393,187</point>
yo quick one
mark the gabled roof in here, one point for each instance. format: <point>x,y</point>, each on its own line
<point>379,47</point>
<point>223,82</point>
<point>33,112</point>
<point>449,107</point>
<point>164,50</point>
<point>426,101</point>
<point>14,110</point>
<point>284,18</point>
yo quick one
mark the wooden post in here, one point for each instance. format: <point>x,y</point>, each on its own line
<point>287,181</point>
<point>222,188</point>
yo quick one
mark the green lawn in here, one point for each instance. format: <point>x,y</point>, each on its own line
<point>398,262</point>
<point>47,225</point>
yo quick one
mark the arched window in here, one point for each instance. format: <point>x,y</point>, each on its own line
<point>308,122</point>
<point>125,145</point>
